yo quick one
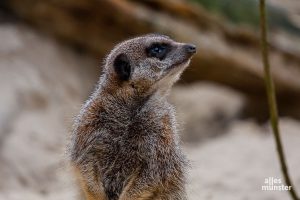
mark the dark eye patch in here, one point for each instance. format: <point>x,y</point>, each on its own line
<point>158,50</point>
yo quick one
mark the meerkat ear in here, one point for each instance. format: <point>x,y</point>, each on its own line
<point>122,67</point>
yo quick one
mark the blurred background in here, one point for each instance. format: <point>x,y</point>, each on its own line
<point>51,53</point>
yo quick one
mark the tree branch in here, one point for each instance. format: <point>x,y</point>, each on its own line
<point>272,99</point>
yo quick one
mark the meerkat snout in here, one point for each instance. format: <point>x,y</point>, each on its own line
<point>190,48</point>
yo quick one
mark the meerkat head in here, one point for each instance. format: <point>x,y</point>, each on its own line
<point>148,63</point>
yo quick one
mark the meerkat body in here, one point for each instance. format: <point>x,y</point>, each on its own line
<point>125,145</point>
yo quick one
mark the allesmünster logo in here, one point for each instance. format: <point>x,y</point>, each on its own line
<point>274,184</point>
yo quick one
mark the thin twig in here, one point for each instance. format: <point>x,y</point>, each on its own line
<point>272,99</point>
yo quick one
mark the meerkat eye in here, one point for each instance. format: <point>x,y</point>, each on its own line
<point>158,50</point>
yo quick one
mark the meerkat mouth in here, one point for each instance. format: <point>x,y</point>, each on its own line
<point>183,62</point>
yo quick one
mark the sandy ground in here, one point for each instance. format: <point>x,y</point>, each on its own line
<point>235,165</point>
<point>42,86</point>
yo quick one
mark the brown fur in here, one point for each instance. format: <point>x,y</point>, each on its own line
<point>124,144</point>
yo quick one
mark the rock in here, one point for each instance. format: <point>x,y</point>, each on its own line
<point>228,54</point>
<point>289,6</point>
<point>42,87</point>
<point>205,110</point>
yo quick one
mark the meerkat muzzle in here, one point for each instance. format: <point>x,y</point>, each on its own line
<point>190,48</point>
<point>183,55</point>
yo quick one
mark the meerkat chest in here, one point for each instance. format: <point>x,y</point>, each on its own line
<point>149,130</point>
<point>147,143</point>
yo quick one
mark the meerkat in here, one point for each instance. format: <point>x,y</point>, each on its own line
<point>125,144</point>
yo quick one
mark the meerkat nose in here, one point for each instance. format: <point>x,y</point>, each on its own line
<point>190,48</point>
